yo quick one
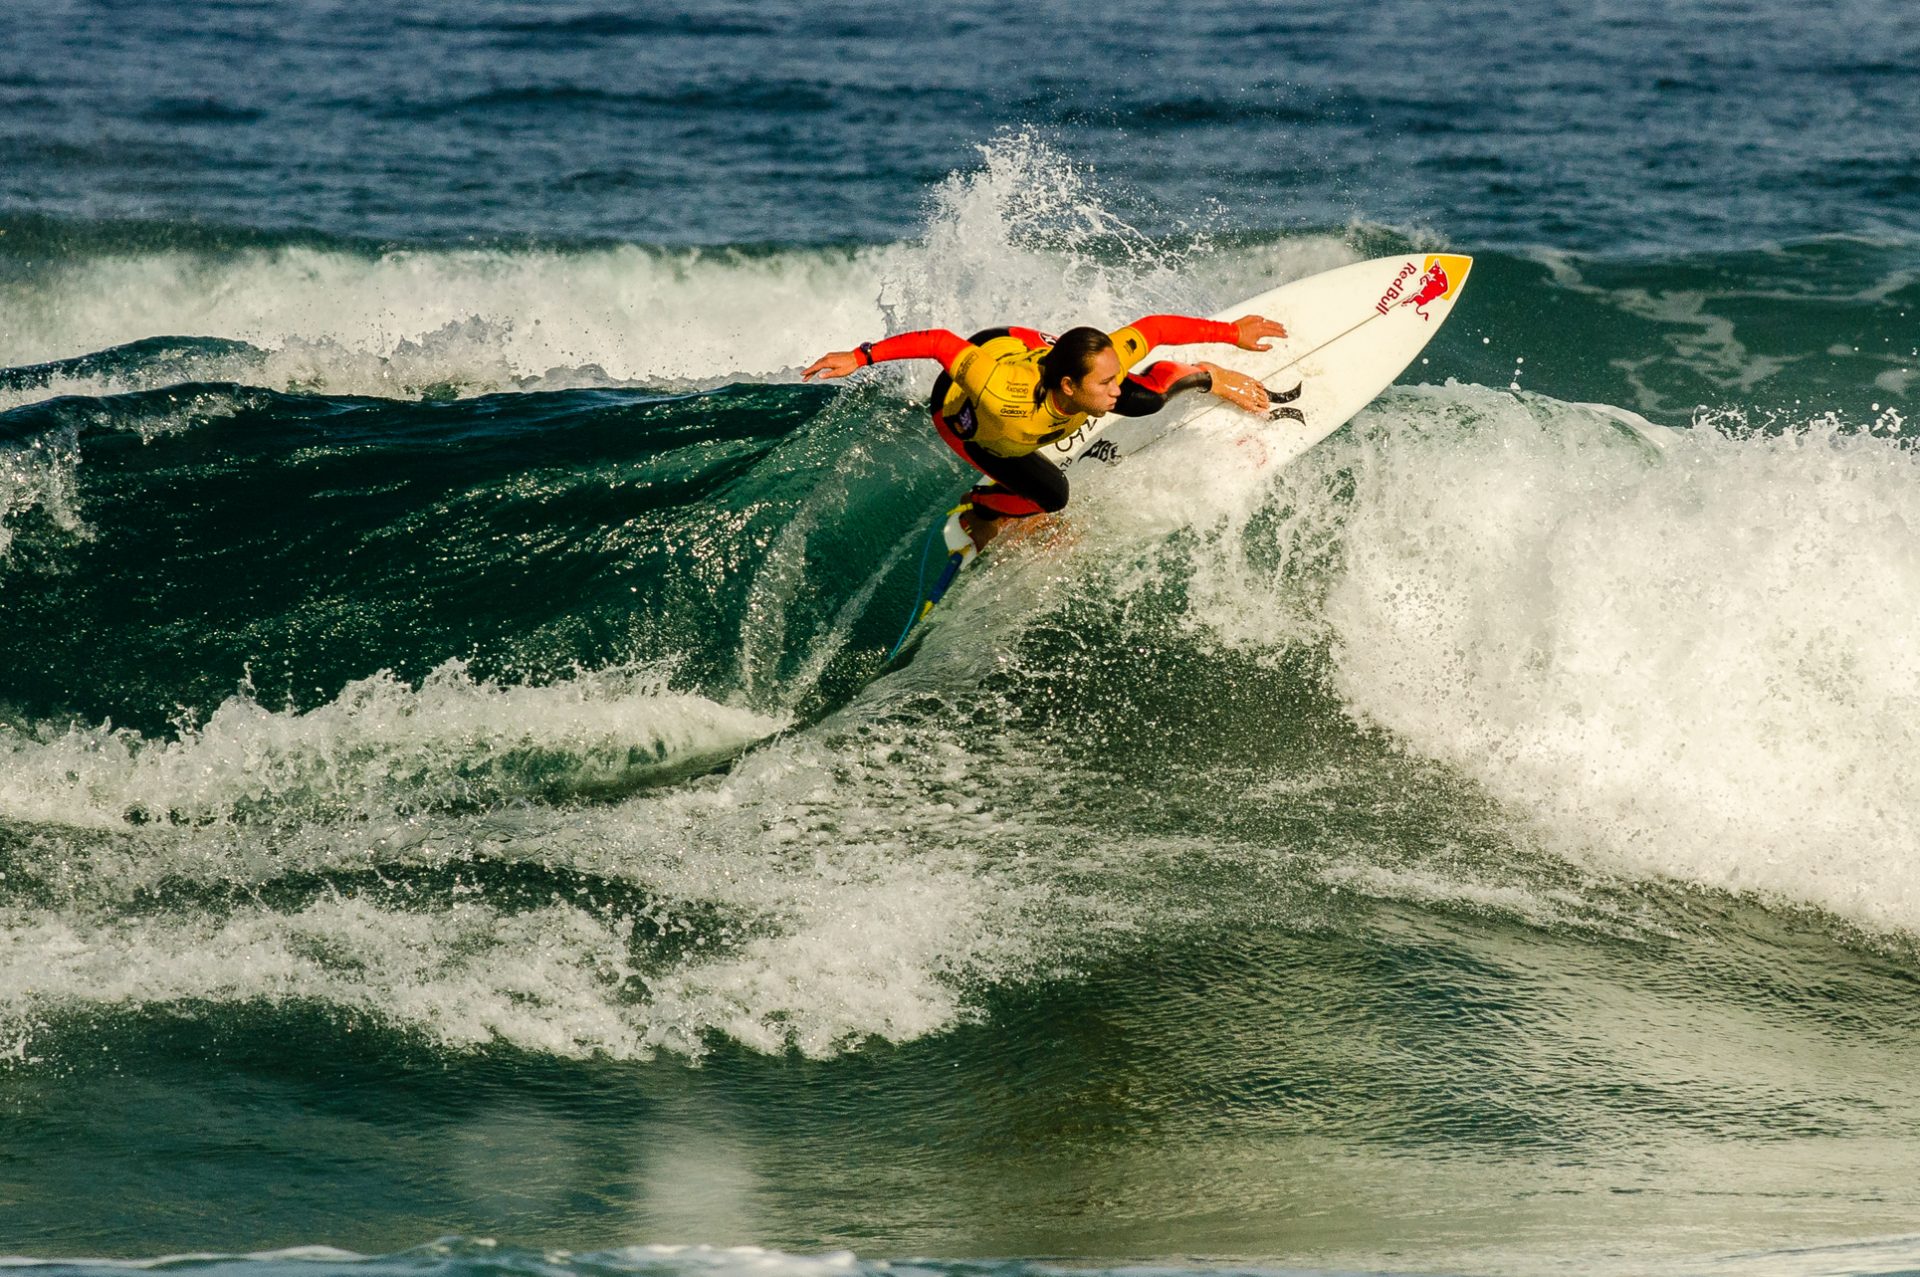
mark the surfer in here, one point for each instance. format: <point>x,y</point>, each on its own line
<point>1008,392</point>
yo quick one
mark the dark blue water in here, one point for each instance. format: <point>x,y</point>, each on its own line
<point>455,813</point>
<point>1616,126</point>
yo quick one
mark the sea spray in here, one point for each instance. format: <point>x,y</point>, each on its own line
<point>1029,236</point>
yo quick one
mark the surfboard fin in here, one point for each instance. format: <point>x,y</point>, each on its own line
<point>960,552</point>
<point>954,532</point>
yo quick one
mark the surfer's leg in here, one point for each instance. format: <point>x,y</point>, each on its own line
<point>1022,487</point>
<point>1028,485</point>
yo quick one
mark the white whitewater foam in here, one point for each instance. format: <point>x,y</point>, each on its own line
<point>824,891</point>
<point>378,749</point>
<point>461,973</point>
<point>1701,665</point>
<point>413,322</point>
<point>1024,238</point>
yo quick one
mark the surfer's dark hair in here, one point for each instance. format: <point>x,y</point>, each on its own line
<point>1072,356</point>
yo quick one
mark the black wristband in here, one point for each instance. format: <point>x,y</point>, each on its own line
<point>866,352</point>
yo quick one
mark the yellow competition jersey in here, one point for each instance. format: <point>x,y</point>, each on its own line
<point>1001,380</point>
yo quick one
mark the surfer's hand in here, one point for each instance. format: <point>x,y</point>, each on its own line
<point>837,364</point>
<point>1238,389</point>
<point>1255,327</point>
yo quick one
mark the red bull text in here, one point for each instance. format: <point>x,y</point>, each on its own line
<point>1396,287</point>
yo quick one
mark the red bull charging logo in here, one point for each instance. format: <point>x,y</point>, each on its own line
<point>1433,286</point>
<point>1442,275</point>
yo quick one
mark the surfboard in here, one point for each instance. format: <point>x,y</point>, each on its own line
<point>1351,332</point>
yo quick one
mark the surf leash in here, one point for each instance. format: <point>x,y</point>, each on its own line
<point>919,593</point>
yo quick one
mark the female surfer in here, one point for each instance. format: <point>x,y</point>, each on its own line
<point>1009,392</point>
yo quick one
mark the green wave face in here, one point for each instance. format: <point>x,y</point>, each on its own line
<point>209,535</point>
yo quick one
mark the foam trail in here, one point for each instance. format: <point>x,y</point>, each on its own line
<point>811,898</point>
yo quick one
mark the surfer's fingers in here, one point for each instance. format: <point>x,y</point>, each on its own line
<point>1238,389</point>
<point>1252,328</point>
<point>827,366</point>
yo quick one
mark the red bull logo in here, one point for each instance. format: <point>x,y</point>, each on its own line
<point>1441,278</point>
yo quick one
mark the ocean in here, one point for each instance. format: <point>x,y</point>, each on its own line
<point>456,815</point>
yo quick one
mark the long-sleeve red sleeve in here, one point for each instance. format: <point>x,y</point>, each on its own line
<point>929,343</point>
<point>1183,330</point>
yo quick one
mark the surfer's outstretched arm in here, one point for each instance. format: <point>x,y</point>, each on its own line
<point>928,343</point>
<point>1147,392</point>
<point>1249,332</point>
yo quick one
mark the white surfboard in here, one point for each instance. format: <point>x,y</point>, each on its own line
<point>1350,332</point>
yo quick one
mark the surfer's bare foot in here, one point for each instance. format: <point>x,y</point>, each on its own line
<point>979,525</point>
<point>1238,389</point>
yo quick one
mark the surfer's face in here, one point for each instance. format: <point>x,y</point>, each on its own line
<point>1099,390</point>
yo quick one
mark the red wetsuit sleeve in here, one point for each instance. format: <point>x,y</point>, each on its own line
<point>930,343</point>
<point>1183,330</point>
